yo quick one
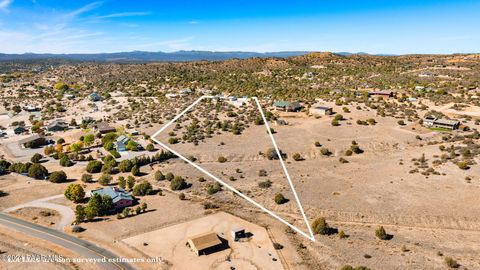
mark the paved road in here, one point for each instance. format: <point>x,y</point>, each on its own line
<point>81,247</point>
<point>66,213</point>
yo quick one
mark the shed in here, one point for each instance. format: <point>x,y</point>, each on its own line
<point>321,110</point>
<point>238,233</point>
<point>204,244</point>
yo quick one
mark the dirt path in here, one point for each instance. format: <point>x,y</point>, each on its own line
<point>67,214</point>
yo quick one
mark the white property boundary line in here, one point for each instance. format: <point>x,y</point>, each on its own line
<point>310,233</point>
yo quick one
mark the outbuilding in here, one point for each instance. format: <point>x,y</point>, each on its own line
<point>321,110</point>
<point>205,243</point>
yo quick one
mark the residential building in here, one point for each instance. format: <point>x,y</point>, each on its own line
<point>57,125</point>
<point>441,123</point>
<point>120,198</point>
<point>31,108</point>
<point>287,106</point>
<point>104,128</point>
<point>121,143</point>
<point>204,244</point>
<point>383,93</point>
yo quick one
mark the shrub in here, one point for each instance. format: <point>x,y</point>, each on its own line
<point>280,199</point>
<point>381,234</point>
<point>122,182</point>
<point>401,122</point>
<point>87,178</point>
<point>37,171</point>
<point>75,193</point>
<point>182,196</point>
<point>451,263</point>
<point>125,166</point>
<point>262,172</point>
<point>348,152</point>
<point>320,226</point>
<point>271,154</point>
<point>159,176</point>
<point>135,171</point>
<point>318,144</point>
<point>150,147</point>
<point>169,176</point>
<point>94,166</point>
<point>173,140</point>
<point>58,177</point>
<point>463,165</point>
<point>297,157</point>
<point>105,179</point>
<point>324,151</point>
<point>265,184</point>
<point>222,159</point>
<point>342,235</point>
<point>142,189</point>
<point>335,123</point>
<point>277,246</point>
<point>65,161</point>
<point>36,158</point>
<point>178,183</point>
<point>214,188</point>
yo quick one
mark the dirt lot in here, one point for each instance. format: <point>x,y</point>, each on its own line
<point>169,243</point>
<point>41,216</point>
<point>16,244</point>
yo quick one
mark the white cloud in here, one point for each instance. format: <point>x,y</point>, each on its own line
<point>122,14</point>
<point>4,4</point>
<point>84,9</point>
<point>193,22</point>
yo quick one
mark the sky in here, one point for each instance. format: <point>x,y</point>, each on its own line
<point>377,27</point>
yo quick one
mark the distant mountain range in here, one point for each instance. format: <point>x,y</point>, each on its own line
<point>142,56</point>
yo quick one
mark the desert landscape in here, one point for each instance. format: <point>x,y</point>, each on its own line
<point>384,161</point>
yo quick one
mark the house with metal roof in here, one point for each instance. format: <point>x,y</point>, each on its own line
<point>120,198</point>
<point>121,143</point>
<point>441,123</point>
<point>287,106</point>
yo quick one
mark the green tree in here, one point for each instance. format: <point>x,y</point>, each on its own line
<point>125,166</point>
<point>150,147</point>
<point>105,179</point>
<point>87,178</point>
<point>135,170</point>
<point>130,182</point>
<point>75,193</point>
<point>94,166</point>
<point>36,158</point>
<point>37,171</point>
<point>88,140</point>
<point>80,214</point>
<point>58,177</point>
<point>142,189</point>
<point>65,161</point>
<point>122,182</point>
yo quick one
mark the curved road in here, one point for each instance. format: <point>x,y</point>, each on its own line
<point>81,247</point>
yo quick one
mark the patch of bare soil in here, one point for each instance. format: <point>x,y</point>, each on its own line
<point>40,216</point>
